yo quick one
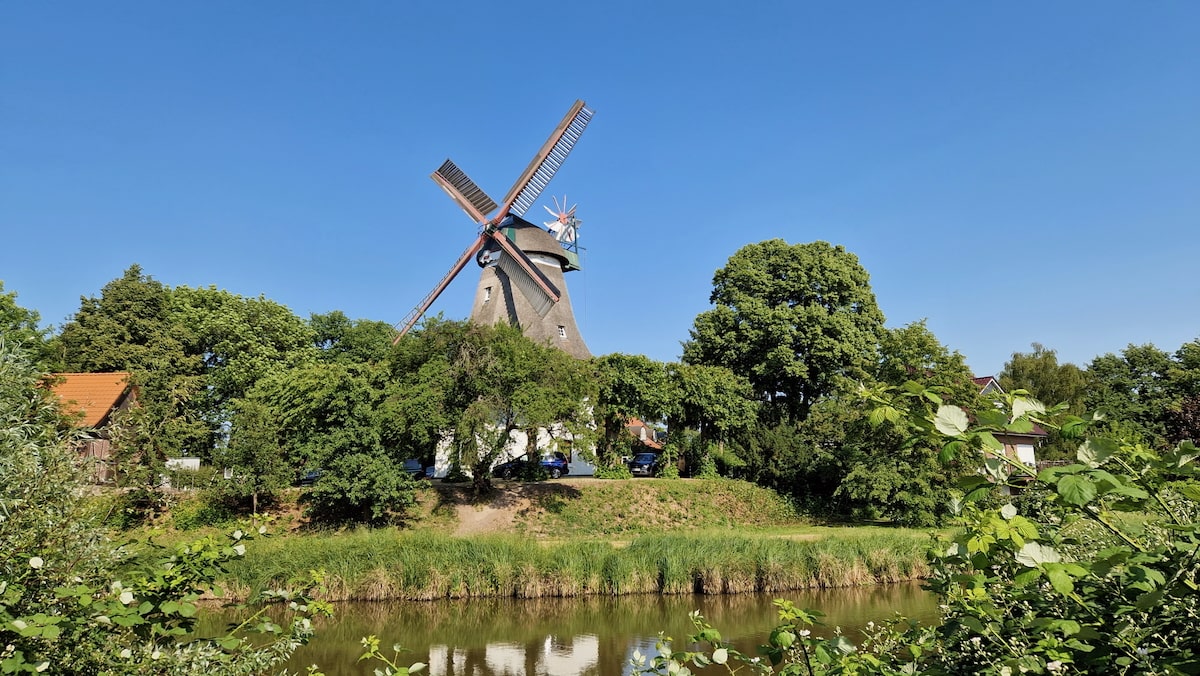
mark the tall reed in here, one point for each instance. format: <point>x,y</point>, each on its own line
<point>386,564</point>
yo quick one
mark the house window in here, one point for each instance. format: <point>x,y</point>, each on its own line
<point>487,293</point>
<point>1025,454</point>
<point>562,332</point>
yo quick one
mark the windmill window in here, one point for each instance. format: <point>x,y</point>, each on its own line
<point>487,293</point>
<point>562,332</point>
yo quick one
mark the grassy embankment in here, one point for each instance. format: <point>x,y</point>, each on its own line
<point>575,538</point>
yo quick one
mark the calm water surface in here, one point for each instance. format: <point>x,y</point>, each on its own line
<point>594,635</point>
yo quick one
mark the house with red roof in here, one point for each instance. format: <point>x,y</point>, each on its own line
<point>92,399</point>
<point>644,434</point>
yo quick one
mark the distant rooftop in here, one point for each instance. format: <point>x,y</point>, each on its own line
<point>92,394</point>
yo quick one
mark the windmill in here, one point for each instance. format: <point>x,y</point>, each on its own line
<point>523,264</point>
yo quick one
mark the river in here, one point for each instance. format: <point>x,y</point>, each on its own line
<point>593,635</point>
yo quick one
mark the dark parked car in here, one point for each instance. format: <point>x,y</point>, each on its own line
<point>644,464</point>
<point>556,465</point>
<point>309,478</point>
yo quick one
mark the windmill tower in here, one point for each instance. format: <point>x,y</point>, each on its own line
<point>523,264</point>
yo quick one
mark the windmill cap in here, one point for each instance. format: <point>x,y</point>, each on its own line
<point>532,238</point>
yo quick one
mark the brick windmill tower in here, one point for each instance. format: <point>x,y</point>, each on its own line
<point>523,264</point>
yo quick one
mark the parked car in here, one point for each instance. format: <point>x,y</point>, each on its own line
<point>644,464</point>
<point>555,464</point>
<point>309,478</point>
<point>414,469</point>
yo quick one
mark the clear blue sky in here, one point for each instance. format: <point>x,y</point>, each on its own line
<point>1010,171</point>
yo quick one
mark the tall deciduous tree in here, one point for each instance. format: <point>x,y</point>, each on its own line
<point>883,474</point>
<point>1133,388</point>
<point>712,400</point>
<point>1039,373</point>
<point>629,386</point>
<point>504,382</point>
<point>240,340</point>
<point>914,353</point>
<point>338,338</point>
<point>130,328</point>
<point>799,321</point>
<point>254,455</point>
<point>19,326</point>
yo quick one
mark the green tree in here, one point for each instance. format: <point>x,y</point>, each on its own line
<point>628,386</point>
<point>73,602</point>
<point>339,338</point>
<point>1133,388</point>
<point>19,326</point>
<point>914,353</point>
<point>130,328</point>
<point>716,403</point>
<point>254,455</point>
<point>326,410</point>
<point>240,341</point>
<point>799,321</point>
<point>503,383</point>
<point>885,474</point>
<point>1039,373</point>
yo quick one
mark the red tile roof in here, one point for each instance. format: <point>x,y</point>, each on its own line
<point>92,394</point>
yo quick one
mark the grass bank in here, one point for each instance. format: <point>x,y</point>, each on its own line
<point>582,507</point>
<point>390,564</point>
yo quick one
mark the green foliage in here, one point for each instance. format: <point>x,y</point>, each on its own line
<point>19,326</point>
<point>380,564</point>
<point>201,509</point>
<point>799,321</point>
<point>240,340</point>
<point>612,472</point>
<point>254,455</point>
<point>340,339</point>
<point>366,487</point>
<point>714,401</point>
<point>73,602</point>
<point>130,328</point>
<point>629,386</point>
<point>486,384</point>
<point>1039,373</point>
<point>1132,388</point>
<point>390,663</point>
<point>1102,578</point>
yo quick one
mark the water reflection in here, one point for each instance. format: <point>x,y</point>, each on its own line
<point>585,635</point>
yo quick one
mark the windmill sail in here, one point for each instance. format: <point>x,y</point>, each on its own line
<point>406,324</point>
<point>536,295</point>
<point>463,190</point>
<point>547,161</point>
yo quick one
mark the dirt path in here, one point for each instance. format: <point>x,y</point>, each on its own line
<point>494,514</point>
<point>482,519</point>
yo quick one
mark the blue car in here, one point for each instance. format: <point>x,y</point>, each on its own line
<point>555,464</point>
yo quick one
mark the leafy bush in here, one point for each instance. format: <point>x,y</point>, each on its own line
<point>1103,578</point>
<point>370,488</point>
<point>204,508</point>
<point>615,472</point>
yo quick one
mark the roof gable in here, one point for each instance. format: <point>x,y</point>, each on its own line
<point>987,384</point>
<point>94,395</point>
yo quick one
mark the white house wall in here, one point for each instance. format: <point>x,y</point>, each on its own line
<point>518,442</point>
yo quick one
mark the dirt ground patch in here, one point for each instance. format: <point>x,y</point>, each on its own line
<point>499,511</point>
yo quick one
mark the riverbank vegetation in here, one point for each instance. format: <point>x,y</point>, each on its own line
<point>384,564</point>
